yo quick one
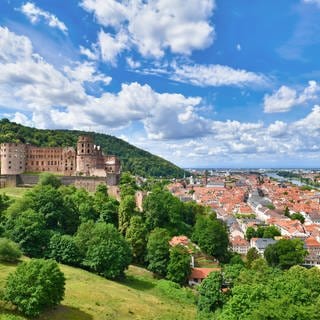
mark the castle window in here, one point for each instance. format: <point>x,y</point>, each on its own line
<point>88,151</point>
<point>82,151</point>
<point>82,145</point>
<point>9,167</point>
<point>9,161</point>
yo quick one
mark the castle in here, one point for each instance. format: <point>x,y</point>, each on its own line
<point>86,160</point>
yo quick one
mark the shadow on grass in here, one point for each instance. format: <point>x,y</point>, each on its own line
<point>137,283</point>
<point>65,313</point>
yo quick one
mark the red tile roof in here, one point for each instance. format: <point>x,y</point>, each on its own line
<point>202,273</point>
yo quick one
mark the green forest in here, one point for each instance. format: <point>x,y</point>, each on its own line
<point>133,159</point>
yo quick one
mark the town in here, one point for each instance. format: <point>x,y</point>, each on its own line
<point>246,201</point>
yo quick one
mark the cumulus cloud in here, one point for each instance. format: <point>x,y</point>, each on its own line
<point>111,46</point>
<point>156,26</point>
<point>285,98</point>
<point>35,14</point>
<point>40,95</point>
<point>216,75</point>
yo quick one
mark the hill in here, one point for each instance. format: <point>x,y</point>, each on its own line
<point>91,297</point>
<point>133,159</point>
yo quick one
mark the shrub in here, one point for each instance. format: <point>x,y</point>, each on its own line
<point>35,286</point>
<point>64,249</point>
<point>9,250</point>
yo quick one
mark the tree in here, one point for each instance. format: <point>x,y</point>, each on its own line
<point>48,202</point>
<point>35,286</point>
<point>137,238</point>
<point>250,233</point>
<point>128,185</point>
<point>271,232</point>
<point>210,294</point>
<point>49,179</point>
<point>126,212</point>
<point>212,237</point>
<point>179,267</point>
<point>28,229</point>
<point>9,251</point>
<point>106,251</point>
<point>285,253</point>
<point>109,212</point>
<point>252,255</point>
<point>158,251</point>
<point>297,216</point>
<point>63,248</point>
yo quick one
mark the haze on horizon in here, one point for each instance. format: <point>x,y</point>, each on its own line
<point>202,83</point>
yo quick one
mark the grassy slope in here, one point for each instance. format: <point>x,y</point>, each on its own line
<point>90,297</point>
<point>14,192</point>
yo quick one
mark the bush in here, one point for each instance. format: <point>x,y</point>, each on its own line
<point>106,251</point>
<point>64,249</point>
<point>35,286</point>
<point>9,251</point>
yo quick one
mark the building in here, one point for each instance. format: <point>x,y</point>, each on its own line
<point>86,160</point>
<point>261,244</point>
<point>198,274</point>
<point>240,245</point>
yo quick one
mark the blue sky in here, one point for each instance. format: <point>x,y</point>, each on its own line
<point>202,83</point>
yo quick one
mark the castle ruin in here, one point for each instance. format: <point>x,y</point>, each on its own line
<point>86,160</point>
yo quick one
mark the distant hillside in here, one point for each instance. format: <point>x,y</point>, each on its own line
<point>133,159</point>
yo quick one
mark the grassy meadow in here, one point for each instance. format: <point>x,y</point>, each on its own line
<point>91,297</point>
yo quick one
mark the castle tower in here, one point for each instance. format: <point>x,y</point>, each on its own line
<point>85,155</point>
<point>12,158</point>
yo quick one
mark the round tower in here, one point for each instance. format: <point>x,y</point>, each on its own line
<point>85,155</point>
<point>13,158</point>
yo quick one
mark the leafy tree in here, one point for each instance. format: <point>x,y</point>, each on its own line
<point>63,248</point>
<point>126,212</point>
<point>9,251</point>
<point>137,238</point>
<point>231,273</point>
<point>109,212</point>
<point>210,294</point>
<point>271,232</point>
<point>163,210</point>
<point>285,253</point>
<point>250,233</point>
<point>287,212</point>
<point>84,235</point>
<point>35,286</point>
<point>212,237</point>
<point>128,185</point>
<point>297,216</point>
<point>49,179</point>
<point>252,255</point>
<point>47,201</point>
<point>158,251</point>
<point>29,230</point>
<point>179,267</point>
<point>106,251</point>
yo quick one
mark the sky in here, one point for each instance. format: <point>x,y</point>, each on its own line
<point>202,83</point>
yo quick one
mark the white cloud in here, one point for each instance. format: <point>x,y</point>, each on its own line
<point>111,46</point>
<point>216,75</point>
<point>36,14</point>
<point>154,26</point>
<point>132,63</point>
<point>40,95</point>
<point>317,2</point>
<point>285,98</point>
<point>86,72</point>
<point>90,54</point>
<point>238,47</point>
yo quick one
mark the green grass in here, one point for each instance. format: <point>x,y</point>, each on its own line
<point>14,192</point>
<point>91,297</point>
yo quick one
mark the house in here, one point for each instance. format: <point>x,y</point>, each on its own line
<point>261,244</point>
<point>312,245</point>
<point>179,240</point>
<point>240,245</point>
<point>198,274</point>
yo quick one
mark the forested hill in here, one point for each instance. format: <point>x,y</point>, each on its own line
<point>133,159</point>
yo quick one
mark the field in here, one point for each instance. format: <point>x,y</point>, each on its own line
<point>91,297</point>
<point>14,192</point>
